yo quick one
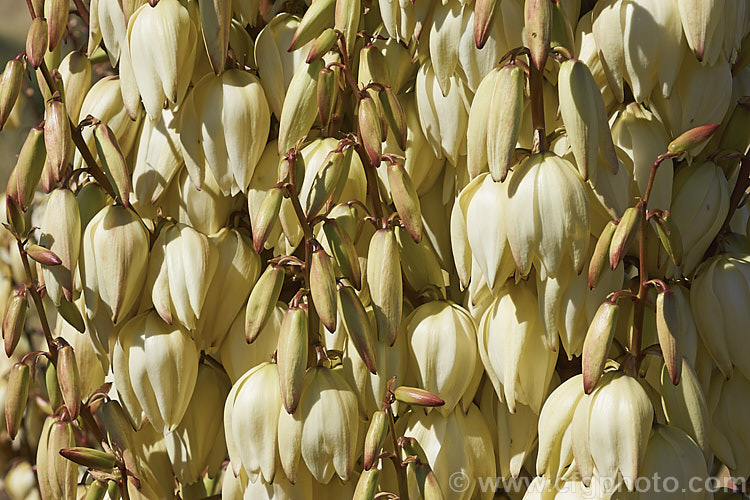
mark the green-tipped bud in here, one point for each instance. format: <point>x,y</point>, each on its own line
<point>693,140</point>
<point>385,284</point>
<point>56,12</point>
<point>374,439</point>
<point>16,394</point>
<point>504,120</point>
<point>598,342</point>
<point>113,161</point>
<point>267,217</point>
<point>318,17</point>
<point>291,356</point>
<point>357,325</point>
<point>29,167</point>
<point>216,19</point>
<point>484,10</point>
<point>367,485</point>
<point>13,321</point>
<point>667,323</point>
<point>417,396</point>
<point>669,236</point>
<point>323,287</point>
<point>394,115</point>
<point>262,301</point>
<point>10,86</point>
<point>57,137</point>
<point>369,129</point>
<point>624,235</point>
<point>600,257</point>
<point>97,490</point>
<point>13,213</point>
<point>69,379</point>
<point>53,387</point>
<point>327,95</point>
<point>343,252</point>
<point>329,181</point>
<point>70,313</point>
<point>322,45</point>
<point>91,458</point>
<point>43,255</point>
<point>346,21</point>
<point>36,42</point>
<point>406,199</point>
<point>538,27</point>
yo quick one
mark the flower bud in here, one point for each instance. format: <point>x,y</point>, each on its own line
<point>13,320</point>
<point>504,120</point>
<point>346,21</point>
<point>327,95</point>
<point>262,301</point>
<point>406,200</point>
<point>28,168</point>
<point>216,17</point>
<point>267,216</point>
<point>597,344</point>
<point>624,234</point>
<point>300,105</point>
<point>62,474</point>
<point>179,290</point>
<point>322,45</point>
<point>36,42</point>
<point>375,438</point>
<point>53,387</point>
<point>343,252</point>
<point>89,457</point>
<point>316,19</point>
<point>693,140</point>
<point>369,129</point>
<point>56,12</point>
<point>385,283</point>
<point>69,380</point>
<point>43,255</point>
<point>329,182</point>
<point>538,30</point>
<point>323,288</point>
<point>61,232</point>
<point>113,161</point>
<point>16,394</point>
<point>291,356</point>
<point>356,323</point>
<point>438,331</point>
<point>57,138</point>
<point>484,11</point>
<point>667,322</point>
<point>155,366</point>
<point>367,485</point>
<point>15,217</point>
<point>115,258</point>
<point>163,69</point>
<point>10,86</point>
<point>600,257</point>
<point>417,396</point>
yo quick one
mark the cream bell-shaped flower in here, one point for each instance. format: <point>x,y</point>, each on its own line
<point>611,427</point>
<point>512,347</point>
<point>237,271</point>
<point>444,117</point>
<point>324,429</point>
<point>699,206</point>
<point>163,65</point>
<point>453,443</point>
<point>159,157</point>
<point>442,350</point>
<point>237,356</point>
<point>730,437</point>
<point>155,367</point>
<point>115,260</point>
<point>639,138</point>
<point>718,298</point>
<point>546,214</point>
<point>61,233</point>
<point>399,18</point>
<point>225,124</point>
<point>251,419</point>
<point>198,441</point>
<point>182,266</point>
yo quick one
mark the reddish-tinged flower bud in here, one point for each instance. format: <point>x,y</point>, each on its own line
<point>323,287</point>
<point>367,485</point>
<point>624,235</point>
<point>69,379</point>
<point>262,301</point>
<point>36,42</point>
<point>16,394</point>
<point>601,254</point>
<point>57,136</point>
<point>56,12</point>
<point>29,168</point>
<point>417,396</point>
<point>357,325</point>
<point>15,316</point>
<point>10,86</point>
<point>91,458</point>
<point>375,437</point>
<point>370,132</point>
<point>327,95</point>
<point>598,341</point>
<point>538,26</point>
<point>406,199</point>
<point>395,116</point>
<point>267,217</point>
<point>43,255</point>
<point>322,45</point>
<point>692,140</point>
<point>113,161</point>
<point>483,12</point>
